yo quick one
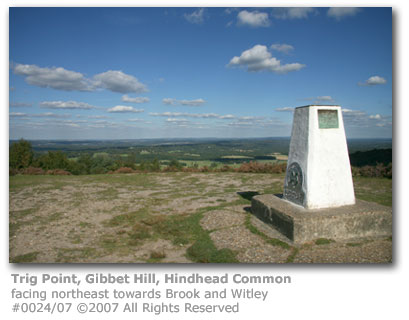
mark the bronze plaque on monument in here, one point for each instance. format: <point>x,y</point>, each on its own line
<point>328,119</point>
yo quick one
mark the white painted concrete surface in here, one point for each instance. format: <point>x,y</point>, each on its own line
<point>322,155</point>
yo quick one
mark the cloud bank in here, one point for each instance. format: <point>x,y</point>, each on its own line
<point>125,98</point>
<point>66,105</point>
<point>61,79</point>
<point>125,109</point>
<point>253,19</point>
<point>259,58</point>
<point>373,81</point>
<point>342,12</point>
<point>191,103</point>
<point>293,13</point>
<point>196,17</point>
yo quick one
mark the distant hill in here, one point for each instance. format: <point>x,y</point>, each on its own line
<point>371,157</point>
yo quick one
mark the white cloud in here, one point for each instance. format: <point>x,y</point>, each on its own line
<point>230,10</point>
<point>20,104</point>
<point>66,105</point>
<point>192,115</point>
<point>62,79</point>
<point>196,16</point>
<point>350,112</point>
<point>192,103</point>
<point>166,114</point>
<point>135,120</point>
<point>177,120</point>
<point>253,19</point>
<point>342,12</point>
<point>324,98</point>
<point>256,122</point>
<point>50,115</point>
<point>55,78</point>
<point>293,13</point>
<point>360,119</point>
<point>285,109</point>
<point>320,99</point>
<point>17,114</point>
<point>259,59</point>
<point>227,116</point>
<point>125,109</point>
<point>284,48</point>
<point>40,115</point>
<point>125,98</point>
<point>117,81</point>
<point>249,118</point>
<point>373,81</point>
<point>97,117</point>
<point>169,101</point>
<point>196,102</point>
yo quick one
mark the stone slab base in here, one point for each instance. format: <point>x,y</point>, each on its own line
<point>364,219</point>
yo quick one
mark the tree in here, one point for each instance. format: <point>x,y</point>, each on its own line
<point>53,160</point>
<point>21,154</point>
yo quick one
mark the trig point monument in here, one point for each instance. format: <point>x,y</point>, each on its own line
<point>318,170</point>
<point>318,199</point>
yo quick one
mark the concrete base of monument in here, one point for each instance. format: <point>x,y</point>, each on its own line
<point>364,219</point>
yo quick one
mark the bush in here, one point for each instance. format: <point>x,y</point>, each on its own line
<point>53,160</point>
<point>124,170</point>
<point>58,172</point>
<point>21,154</point>
<point>378,171</point>
<point>32,171</point>
<point>13,171</point>
<point>255,167</point>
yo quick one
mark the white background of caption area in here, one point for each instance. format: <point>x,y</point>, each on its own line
<point>317,292</point>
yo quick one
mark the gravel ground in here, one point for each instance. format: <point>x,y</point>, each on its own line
<point>70,219</point>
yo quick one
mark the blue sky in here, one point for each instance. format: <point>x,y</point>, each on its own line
<point>119,73</point>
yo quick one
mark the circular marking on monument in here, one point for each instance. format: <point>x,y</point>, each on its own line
<point>294,175</point>
<point>293,184</point>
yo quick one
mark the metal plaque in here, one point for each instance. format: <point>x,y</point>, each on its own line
<point>293,184</point>
<point>328,119</point>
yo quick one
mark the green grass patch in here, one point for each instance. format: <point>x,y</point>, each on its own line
<point>377,190</point>
<point>291,257</point>
<point>19,214</point>
<point>127,219</point>
<point>139,232</point>
<point>184,229</point>
<point>204,251</point>
<point>68,255</point>
<point>180,229</point>
<point>354,244</point>
<point>322,241</point>
<point>100,154</point>
<point>14,226</point>
<point>84,224</point>
<point>110,193</point>
<point>156,256</point>
<point>25,258</point>
<point>51,218</point>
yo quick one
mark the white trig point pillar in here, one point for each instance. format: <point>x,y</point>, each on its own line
<point>318,171</point>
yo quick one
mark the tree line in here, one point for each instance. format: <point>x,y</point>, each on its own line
<point>22,160</point>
